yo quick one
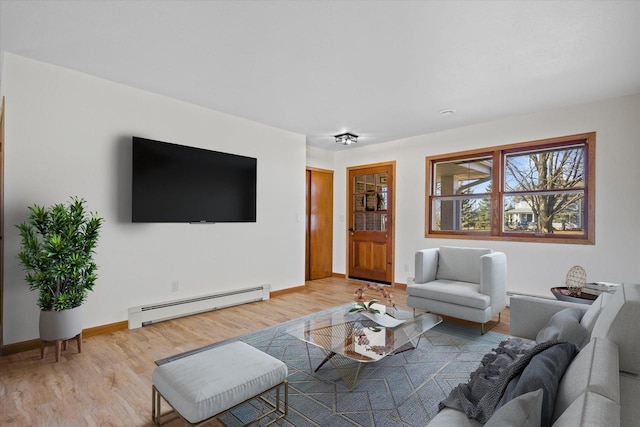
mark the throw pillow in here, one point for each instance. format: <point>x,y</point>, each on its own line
<point>564,326</point>
<point>523,411</point>
<point>544,371</point>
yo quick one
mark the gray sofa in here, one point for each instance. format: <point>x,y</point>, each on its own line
<point>601,385</point>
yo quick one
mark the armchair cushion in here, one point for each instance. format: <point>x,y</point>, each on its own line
<point>459,293</point>
<point>460,264</point>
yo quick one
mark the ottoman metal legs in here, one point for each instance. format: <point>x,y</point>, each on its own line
<point>279,411</point>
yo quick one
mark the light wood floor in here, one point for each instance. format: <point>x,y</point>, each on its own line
<point>109,383</point>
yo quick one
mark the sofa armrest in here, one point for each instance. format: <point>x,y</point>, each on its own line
<point>493,281</point>
<point>527,315</point>
<point>426,265</point>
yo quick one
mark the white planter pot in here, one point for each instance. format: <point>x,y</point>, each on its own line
<point>60,325</point>
<point>384,319</point>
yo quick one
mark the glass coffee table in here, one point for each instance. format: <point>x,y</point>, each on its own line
<point>350,340</point>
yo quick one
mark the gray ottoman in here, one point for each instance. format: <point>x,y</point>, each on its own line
<point>206,384</point>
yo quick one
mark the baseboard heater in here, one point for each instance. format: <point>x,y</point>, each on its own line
<point>148,314</point>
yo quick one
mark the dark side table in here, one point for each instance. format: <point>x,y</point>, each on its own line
<point>563,294</point>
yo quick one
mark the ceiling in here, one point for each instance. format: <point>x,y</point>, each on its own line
<point>381,69</point>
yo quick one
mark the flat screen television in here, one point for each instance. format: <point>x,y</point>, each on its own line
<point>176,183</point>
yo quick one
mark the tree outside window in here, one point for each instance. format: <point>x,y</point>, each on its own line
<point>543,188</point>
<point>551,183</point>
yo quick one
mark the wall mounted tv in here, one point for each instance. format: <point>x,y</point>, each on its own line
<point>175,183</point>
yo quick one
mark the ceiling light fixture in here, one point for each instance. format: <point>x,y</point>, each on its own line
<point>346,138</point>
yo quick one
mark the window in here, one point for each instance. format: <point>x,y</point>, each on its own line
<point>534,191</point>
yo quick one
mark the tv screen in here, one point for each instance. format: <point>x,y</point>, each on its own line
<point>175,183</point>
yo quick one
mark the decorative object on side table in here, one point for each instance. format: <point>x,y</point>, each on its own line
<point>576,279</point>
<point>596,288</point>
<point>587,294</point>
<point>57,250</point>
<point>564,294</point>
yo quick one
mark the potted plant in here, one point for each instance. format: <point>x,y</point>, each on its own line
<point>372,309</point>
<point>57,248</point>
<point>372,306</point>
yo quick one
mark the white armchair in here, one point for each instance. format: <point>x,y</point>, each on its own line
<point>465,283</point>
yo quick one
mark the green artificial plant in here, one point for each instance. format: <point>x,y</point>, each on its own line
<point>365,307</point>
<point>57,250</point>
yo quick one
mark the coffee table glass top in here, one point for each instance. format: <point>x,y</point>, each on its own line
<point>360,339</point>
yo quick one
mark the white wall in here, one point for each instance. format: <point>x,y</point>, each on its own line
<point>69,133</point>
<point>319,158</point>
<point>532,267</point>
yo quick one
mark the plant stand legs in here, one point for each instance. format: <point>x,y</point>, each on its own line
<point>60,345</point>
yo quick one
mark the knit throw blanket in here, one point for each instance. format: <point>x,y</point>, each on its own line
<point>479,397</point>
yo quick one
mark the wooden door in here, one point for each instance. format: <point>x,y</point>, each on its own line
<point>370,192</point>
<point>319,253</point>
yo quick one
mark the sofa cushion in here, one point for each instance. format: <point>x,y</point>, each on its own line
<point>523,411</point>
<point>590,410</point>
<point>448,417</point>
<point>543,371</point>
<point>460,264</point>
<point>629,392</point>
<point>594,369</point>
<point>201,385</point>
<point>564,326</point>
<point>618,322</point>
<point>459,293</point>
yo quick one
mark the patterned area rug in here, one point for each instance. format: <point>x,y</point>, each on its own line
<point>400,390</point>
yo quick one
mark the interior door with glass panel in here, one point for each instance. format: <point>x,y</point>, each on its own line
<point>370,228</point>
